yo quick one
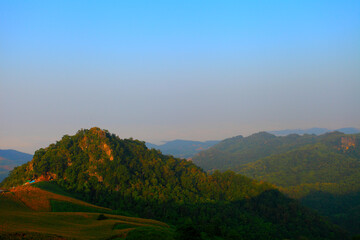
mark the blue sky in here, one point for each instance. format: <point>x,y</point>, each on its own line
<point>162,70</point>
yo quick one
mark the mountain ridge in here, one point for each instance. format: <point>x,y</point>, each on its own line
<point>239,150</point>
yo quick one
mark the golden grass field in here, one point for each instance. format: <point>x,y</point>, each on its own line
<point>27,209</point>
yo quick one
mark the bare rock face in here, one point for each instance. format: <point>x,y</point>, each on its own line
<point>348,142</point>
<point>97,137</point>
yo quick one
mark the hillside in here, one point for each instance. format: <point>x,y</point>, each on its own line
<point>233,152</point>
<point>334,159</point>
<point>324,176</point>
<point>10,159</point>
<point>182,148</point>
<point>321,171</point>
<point>124,175</point>
<point>28,212</point>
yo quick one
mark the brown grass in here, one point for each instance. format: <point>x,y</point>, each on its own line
<point>69,225</point>
<point>26,209</point>
<point>39,200</point>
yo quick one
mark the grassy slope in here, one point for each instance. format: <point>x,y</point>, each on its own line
<point>27,209</point>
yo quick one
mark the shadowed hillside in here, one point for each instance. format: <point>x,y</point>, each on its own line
<point>324,176</point>
<point>314,169</point>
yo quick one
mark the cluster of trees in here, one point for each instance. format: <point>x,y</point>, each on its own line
<point>125,175</point>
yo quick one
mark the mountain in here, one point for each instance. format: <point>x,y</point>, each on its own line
<point>334,158</point>
<point>10,159</point>
<point>316,131</point>
<point>123,174</point>
<point>182,148</point>
<point>323,171</point>
<point>324,176</point>
<point>233,152</point>
<point>349,130</point>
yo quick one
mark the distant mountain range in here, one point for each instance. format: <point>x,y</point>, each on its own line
<point>316,131</point>
<point>188,149</point>
<point>11,158</point>
<point>182,148</point>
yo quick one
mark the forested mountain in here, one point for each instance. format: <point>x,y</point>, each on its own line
<point>11,158</point>
<point>333,159</point>
<point>324,176</point>
<point>123,174</point>
<point>322,171</point>
<point>233,152</point>
<point>182,148</point>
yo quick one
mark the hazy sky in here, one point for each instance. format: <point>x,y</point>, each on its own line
<point>163,70</point>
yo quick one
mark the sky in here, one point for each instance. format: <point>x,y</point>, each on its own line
<point>164,70</point>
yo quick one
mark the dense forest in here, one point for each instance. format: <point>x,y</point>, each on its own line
<point>233,152</point>
<point>322,171</point>
<point>123,174</point>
